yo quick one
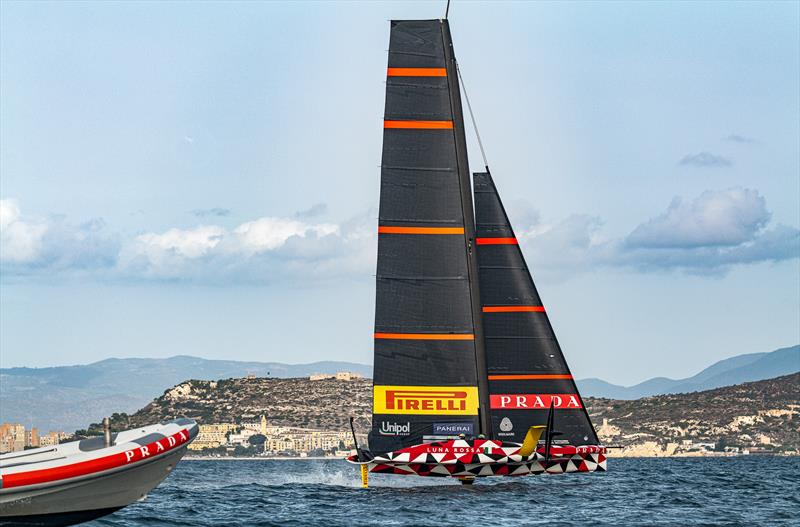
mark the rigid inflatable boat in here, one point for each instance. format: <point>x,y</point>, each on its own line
<point>78,481</point>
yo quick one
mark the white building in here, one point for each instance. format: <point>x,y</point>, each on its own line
<point>259,426</point>
<point>242,438</point>
<point>348,376</point>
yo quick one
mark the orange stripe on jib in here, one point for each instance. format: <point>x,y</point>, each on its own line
<point>512,309</point>
<point>388,229</point>
<point>533,377</point>
<point>416,72</point>
<point>412,125</point>
<point>496,241</point>
<point>425,336</point>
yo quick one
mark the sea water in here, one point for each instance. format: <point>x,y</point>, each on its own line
<point>746,491</point>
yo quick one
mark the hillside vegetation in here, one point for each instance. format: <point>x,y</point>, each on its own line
<point>762,414</point>
<point>324,404</point>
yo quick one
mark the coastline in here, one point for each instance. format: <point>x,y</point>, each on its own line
<point>612,456</point>
<point>258,458</point>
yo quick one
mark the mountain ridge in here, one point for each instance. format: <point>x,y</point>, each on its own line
<point>70,397</point>
<point>733,370</point>
<point>753,415</point>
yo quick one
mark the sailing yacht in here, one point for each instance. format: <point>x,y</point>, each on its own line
<point>469,379</point>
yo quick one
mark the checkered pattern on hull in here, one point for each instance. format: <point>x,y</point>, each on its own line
<point>483,458</point>
<point>561,465</point>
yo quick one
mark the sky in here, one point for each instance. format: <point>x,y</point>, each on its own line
<point>202,178</point>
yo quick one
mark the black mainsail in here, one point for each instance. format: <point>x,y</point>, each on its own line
<point>429,362</point>
<point>526,369</point>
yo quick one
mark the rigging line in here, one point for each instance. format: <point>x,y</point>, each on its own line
<point>447,10</point>
<point>472,117</point>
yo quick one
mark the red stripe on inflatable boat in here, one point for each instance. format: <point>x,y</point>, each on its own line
<point>84,468</point>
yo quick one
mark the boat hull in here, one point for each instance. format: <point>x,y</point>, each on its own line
<point>78,501</point>
<point>560,465</point>
<point>77,481</point>
<point>57,519</point>
<point>464,458</point>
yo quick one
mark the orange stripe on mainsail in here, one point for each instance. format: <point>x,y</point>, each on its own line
<point>416,72</point>
<point>389,229</point>
<point>425,336</point>
<point>512,309</point>
<point>496,241</point>
<point>431,125</point>
<point>533,377</point>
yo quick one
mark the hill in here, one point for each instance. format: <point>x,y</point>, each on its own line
<point>325,404</point>
<point>735,370</point>
<point>69,397</point>
<point>761,414</point>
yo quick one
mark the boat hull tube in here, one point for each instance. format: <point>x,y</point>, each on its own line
<point>472,458</point>
<point>82,480</point>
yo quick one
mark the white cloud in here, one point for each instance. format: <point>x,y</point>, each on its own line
<point>316,210</point>
<point>705,235</point>
<point>715,218</point>
<point>30,245</point>
<point>525,215</point>
<point>705,160</point>
<point>262,250</point>
<point>736,138</point>
<point>772,245</point>
<point>191,243</point>
<point>214,211</point>
<point>565,246</point>
<point>20,239</point>
<point>265,234</point>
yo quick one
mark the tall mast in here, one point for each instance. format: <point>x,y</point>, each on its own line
<point>465,181</point>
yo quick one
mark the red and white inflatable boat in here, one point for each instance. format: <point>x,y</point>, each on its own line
<point>78,481</point>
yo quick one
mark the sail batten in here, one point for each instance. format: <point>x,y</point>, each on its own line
<point>419,169</point>
<point>416,72</point>
<point>396,229</point>
<point>512,309</point>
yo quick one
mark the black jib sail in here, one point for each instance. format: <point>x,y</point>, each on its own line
<point>526,368</point>
<point>427,316</point>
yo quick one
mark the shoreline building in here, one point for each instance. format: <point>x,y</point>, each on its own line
<point>50,439</point>
<point>14,438</point>
<point>303,441</point>
<point>32,437</point>
<point>212,435</point>
<point>339,376</point>
<point>257,425</point>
